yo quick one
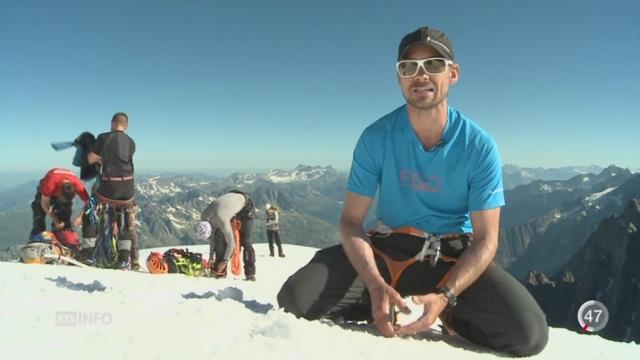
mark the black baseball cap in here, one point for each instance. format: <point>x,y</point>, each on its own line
<point>430,37</point>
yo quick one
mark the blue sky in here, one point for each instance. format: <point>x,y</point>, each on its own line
<point>235,85</point>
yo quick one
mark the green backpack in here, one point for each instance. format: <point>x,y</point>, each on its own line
<point>185,262</point>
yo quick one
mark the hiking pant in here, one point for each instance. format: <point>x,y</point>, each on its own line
<point>127,239</point>
<point>274,235</point>
<point>127,227</point>
<point>125,217</point>
<point>123,190</point>
<point>496,311</point>
<point>116,190</point>
<point>217,247</point>
<point>61,208</point>
<point>248,253</point>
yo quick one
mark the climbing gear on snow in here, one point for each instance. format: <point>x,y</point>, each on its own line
<point>184,262</point>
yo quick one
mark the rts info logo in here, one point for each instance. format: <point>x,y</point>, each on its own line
<point>79,318</point>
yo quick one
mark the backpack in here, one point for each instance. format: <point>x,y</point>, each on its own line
<point>40,245</point>
<point>67,237</point>
<point>185,262</point>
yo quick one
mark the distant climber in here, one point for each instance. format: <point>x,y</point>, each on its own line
<point>273,229</point>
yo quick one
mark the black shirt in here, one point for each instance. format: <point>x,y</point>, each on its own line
<point>116,150</point>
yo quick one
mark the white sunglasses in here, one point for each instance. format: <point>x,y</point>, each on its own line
<point>432,66</point>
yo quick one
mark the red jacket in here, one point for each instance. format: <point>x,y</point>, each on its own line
<point>51,184</point>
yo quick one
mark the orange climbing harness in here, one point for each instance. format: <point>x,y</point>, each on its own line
<point>430,250</point>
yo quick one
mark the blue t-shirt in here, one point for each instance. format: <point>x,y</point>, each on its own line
<point>433,190</point>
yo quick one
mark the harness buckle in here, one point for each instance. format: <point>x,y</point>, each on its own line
<point>430,250</point>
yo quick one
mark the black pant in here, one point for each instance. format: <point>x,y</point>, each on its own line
<point>61,208</point>
<point>89,225</point>
<point>274,235</point>
<point>116,190</point>
<point>496,311</point>
<point>248,253</point>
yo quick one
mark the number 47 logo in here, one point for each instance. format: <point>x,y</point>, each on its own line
<point>589,315</point>
<point>593,316</point>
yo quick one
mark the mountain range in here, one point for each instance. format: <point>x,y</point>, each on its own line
<point>545,222</point>
<point>309,199</point>
<point>547,226</point>
<point>605,269</point>
<point>514,175</point>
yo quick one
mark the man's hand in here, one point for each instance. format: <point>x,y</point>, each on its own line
<point>382,297</point>
<point>93,158</point>
<point>59,225</point>
<point>77,221</point>
<point>434,304</point>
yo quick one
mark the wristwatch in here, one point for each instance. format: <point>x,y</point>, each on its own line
<point>451,297</point>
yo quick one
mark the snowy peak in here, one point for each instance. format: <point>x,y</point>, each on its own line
<point>163,186</point>
<point>514,175</point>
<point>158,186</point>
<point>608,178</point>
<point>243,178</point>
<point>302,173</point>
<point>540,187</point>
<point>612,171</point>
<point>511,169</point>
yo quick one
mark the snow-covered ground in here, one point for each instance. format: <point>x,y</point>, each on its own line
<point>62,312</point>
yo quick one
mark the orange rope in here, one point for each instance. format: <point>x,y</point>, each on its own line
<point>236,259</point>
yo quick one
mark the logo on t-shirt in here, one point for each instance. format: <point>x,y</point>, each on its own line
<point>414,180</point>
